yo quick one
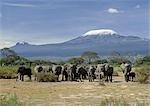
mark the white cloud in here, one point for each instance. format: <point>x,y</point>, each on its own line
<point>113,11</point>
<point>18,5</point>
<point>4,44</point>
<point>137,6</point>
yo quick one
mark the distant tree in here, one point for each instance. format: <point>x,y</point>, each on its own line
<point>44,62</point>
<point>76,60</point>
<point>116,58</point>
<point>146,58</point>
<point>139,61</point>
<point>89,56</point>
<point>143,60</point>
<point>61,62</point>
<point>101,61</point>
<point>131,55</point>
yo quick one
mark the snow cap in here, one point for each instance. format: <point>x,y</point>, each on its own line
<point>100,32</point>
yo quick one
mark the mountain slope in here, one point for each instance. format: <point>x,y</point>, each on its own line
<point>101,41</point>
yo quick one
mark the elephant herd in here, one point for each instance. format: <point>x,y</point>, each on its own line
<point>72,72</point>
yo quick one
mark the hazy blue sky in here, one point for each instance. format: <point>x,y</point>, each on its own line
<point>51,21</point>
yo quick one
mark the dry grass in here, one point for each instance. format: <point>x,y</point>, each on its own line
<point>75,93</point>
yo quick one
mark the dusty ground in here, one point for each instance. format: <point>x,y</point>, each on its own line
<point>75,93</point>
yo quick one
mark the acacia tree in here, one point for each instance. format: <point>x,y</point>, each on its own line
<point>89,56</point>
<point>116,58</point>
<point>76,60</point>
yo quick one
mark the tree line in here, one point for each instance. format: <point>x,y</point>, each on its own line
<point>10,57</point>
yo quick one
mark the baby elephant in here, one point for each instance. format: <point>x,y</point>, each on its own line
<point>131,76</point>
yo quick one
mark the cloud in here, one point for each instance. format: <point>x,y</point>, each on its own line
<point>18,5</point>
<point>113,11</point>
<point>4,44</point>
<point>137,6</point>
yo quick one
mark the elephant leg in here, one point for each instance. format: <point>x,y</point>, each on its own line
<point>29,77</point>
<point>132,78</point>
<point>58,78</point>
<point>106,78</point>
<point>35,77</point>
<point>89,79</point>
<point>92,78</point>
<point>22,77</point>
<point>129,78</point>
<point>74,76</point>
<point>110,78</point>
<point>71,77</point>
<point>81,77</point>
<point>66,77</point>
<point>100,76</point>
<point>126,78</point>
<point>62,77</point>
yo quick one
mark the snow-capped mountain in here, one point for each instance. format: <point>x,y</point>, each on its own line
<point>103,41</point>
<point>101,32</point>
<point>21,43</point>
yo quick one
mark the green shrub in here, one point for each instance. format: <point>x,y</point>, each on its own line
<point>122,102</point>
<point>143,74</point>
<point>12,100</point>
<point>8,72</point>
<point>46,77</point>
<point>142,60</point>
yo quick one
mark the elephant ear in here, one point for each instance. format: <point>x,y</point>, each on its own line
<point>40,69</point>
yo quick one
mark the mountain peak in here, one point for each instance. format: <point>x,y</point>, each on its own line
<point>101,32</point>
<point>22,43</point>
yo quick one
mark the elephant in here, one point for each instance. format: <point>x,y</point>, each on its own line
<point>104,71</point>
<point>100,71</point>
<point>132,76</point>
<point>65,73</point>
<point>22,70</point>
<point>91,73</point>
<point>42,69</point>
<point>58,71</point>
<point>108,72</point>
<point>81,73</point>
<point>73,73</point>
<point>126,68</point>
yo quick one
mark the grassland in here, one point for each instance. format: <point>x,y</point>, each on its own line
<point>118,93</point>
<point>75,93</point>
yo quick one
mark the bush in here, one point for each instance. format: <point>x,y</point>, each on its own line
<point>8,72</point>
<point>143,60</point>
<point>122,102</point>
<point>12,100</point>
<point>46,77</point>
<point>143,74</point>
